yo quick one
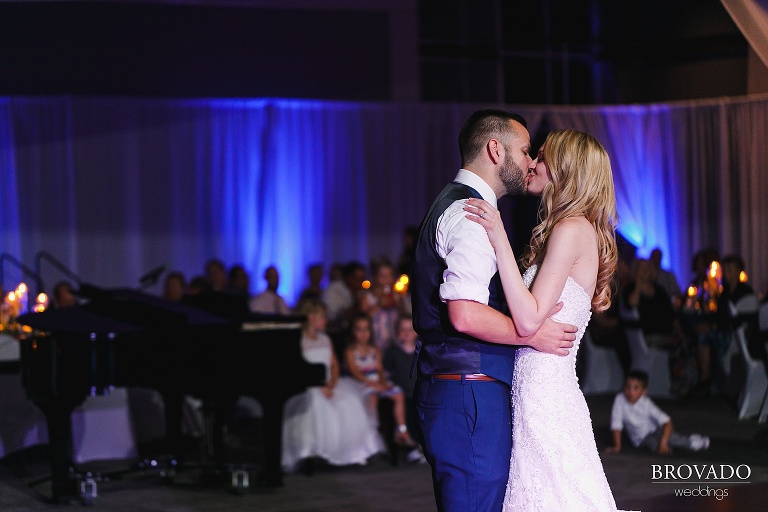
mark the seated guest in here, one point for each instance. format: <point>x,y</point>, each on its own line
<point>714,336</point>
<point>329,422</point>
<point>606,327</point>
<point>384,304</point>
<point>653,304</point>
<point>607,330</point>
<point>201,295</point>
<point>269,301</point>
<point>313,290</point>
<point>64,295</point>
<point>334,273</point>
<point>198,285</point>
<point>364,363</point>
<point>660,324</point>
<point>174,286</point>
<point>398,362</point>
<point>700,266</point>
<point>343,297</point>
<point>734,290</point>
<point>666,279</point>
<point>239,281</point>
<point>216,274</point>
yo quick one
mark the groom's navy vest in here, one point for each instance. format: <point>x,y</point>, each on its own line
<point>443,349</point>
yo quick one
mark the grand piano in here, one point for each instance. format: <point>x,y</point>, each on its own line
<point>210,347</point>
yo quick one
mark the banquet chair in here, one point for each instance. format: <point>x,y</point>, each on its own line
<point>102,428</point>
<point>755,383</point>
<point>653,361</point>
<point>147,409</point>
<point>762,322</point>
<point>763,328</point>
<point>762,416</point>
<point>602,369</point>
<point>22,423</point>
<point>9,348</point>
<point>747,305</point>
<point>762,315</point>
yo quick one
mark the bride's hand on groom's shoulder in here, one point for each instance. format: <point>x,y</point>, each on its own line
<point>483,213</point>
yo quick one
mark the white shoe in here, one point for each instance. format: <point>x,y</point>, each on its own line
<point>699,442</point>
<point>415,456</point>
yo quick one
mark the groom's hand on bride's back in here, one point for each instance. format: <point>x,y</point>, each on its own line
<point>554,337</point>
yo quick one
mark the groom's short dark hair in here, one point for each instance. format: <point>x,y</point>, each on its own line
<point>482,125</point>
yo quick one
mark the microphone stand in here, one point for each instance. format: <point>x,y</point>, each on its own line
<point>44,255</point>
<point>151,278</point>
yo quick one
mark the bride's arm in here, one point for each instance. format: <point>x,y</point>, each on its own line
<point>529,309</point>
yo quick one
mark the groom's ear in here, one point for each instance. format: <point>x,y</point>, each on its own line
<point>495,150</point>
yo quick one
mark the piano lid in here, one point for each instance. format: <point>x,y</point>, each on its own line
<point>149,311</point>
<point>74,320</point>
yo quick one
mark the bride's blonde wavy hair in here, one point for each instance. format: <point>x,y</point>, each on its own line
<point>582,184</point>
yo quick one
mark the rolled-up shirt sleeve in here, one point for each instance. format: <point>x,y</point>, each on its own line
<point>468,255</point>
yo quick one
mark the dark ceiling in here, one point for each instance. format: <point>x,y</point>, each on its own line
<point>583,51</point>
<point>535,52</point>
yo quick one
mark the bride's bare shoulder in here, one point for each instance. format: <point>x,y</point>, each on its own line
<point>575,222</point>
<point>573,229</point>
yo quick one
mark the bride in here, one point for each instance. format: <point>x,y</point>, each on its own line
<point>555,464</point>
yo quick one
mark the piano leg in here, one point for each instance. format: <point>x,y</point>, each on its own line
<point>272,474</point>
<point>174,402</point>
<point>64,487</point>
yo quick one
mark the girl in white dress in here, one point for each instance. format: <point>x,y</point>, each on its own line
<point>330,422</point>
<point>555,465</point>
<point>366,366</point>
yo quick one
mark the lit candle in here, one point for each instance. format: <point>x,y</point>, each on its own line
<point>713,285</point>
<point>42,302</point>
<point>401,286</point>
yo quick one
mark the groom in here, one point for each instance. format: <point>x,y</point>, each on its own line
<point>466,352</point>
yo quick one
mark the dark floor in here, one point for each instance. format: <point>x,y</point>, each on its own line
<point>380,486</point>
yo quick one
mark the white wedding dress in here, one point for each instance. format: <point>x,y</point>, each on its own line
<point>340,429</point>
<point>555,466</point>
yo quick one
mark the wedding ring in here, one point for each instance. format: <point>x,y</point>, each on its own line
<point>482,215</point>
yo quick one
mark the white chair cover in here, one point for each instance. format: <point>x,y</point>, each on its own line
<point>653,361</point>
<point>22,423</point>
<point>755,384</point>
<point>602,369</point>
<point>102,428</point>
<point>763,326</point>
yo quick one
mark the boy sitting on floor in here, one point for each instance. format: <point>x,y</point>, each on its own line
<point>646,424</point>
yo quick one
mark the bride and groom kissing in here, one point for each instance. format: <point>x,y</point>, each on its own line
<point>502,420</point>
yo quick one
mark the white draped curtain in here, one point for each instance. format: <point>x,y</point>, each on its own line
<point>112,187</point>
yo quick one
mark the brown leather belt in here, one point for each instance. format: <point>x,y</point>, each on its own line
<point>467,376</point>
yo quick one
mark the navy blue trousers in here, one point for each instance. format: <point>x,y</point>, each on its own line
<point>465,430</point>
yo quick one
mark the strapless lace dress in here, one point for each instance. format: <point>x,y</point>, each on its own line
<point>555,465</point>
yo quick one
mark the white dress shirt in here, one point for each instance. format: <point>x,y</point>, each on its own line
<point>639,419</point>
<point>465,248</point>
<point>337,297</point>
<point>268,302</point>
